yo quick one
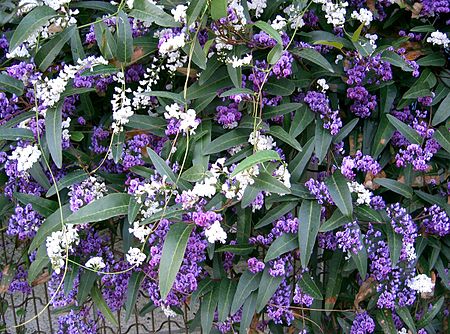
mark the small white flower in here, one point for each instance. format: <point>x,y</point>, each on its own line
<point>364,195</point>
<point>168,312</point>
<point>173,44</point>
<point>261,142</point>
<point>236,62</point>
<point>95,263</point>
<point>135,256</point>
<point>439,38</point>
<point>421,283</point>
<point>140,232</point>
<point>215,233</point>
<point>364,16</point>
<point>258,6</point>
<point>279,23</point>
<point>338,59</point>
<point>179,13</point>
<point>322,83</point>
<point>25,157</point>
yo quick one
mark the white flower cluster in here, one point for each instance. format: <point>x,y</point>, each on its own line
<point>121,104</point>
<point>207,187</point>
<point>173,44</point>
<point>282,174</point>
<point>279,23</point>
<point>439,38</point>
<point>168,312</point>
<point>334,12</point>
<point>364,16</point>
<point>135,257</point>
<point>410,251</point>
<point>237,24</point>
<point>295,15</point>
<point>258,6</point>
<point>65,129</point>
<point>25,157</point>
<point>236,189</point>
<point>188,120</point>
<point>372,38</point>
<point>421,283</point>
<point>261,142</point>
<point>93,187</point>
<point>215,233</point>
<point>364,195</point>
<point>56,4</point>
<point>151,77</point>
<point>322,84</point>
<point>95,263</point>
<point>49,91</point>
<point>59,243</point>
<point>236,62</point>
<point>179,13</point>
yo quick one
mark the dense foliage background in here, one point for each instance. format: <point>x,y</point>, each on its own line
<point>284,162</point>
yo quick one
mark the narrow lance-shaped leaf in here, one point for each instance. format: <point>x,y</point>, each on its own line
<point>124,38</point>
<point>10,84</point>
<point>172,255</point>
<point>248,283</point>
<point>283,244</point>
<point>410,134</point>
<point>207,309</point>
<point>227,289</point>
<point>315,57</point>
<point>255,158</point>
<point>266,182</point>
<point>68,180</point>
<point>53,132</point>
<point>340,193</point>
<point>100,302</point>
<point>395,186</point>
<point>443,112</point>
<point>309,223</point>
<point>218,9</point>
<point>132,292</point>
<point>310,287</point>
<point>267,287</point>
<point>48,52</point>
<point>110,206</point>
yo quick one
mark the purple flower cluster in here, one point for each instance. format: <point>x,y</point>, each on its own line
<point>302,298</point>
<point>437,221</point>
<point>77,322</point>
<point>24,223</point>
<point>319,103</point>
<point>362,324</point>
<point>349,238</point>
<point>360,162</point>
<point>278,306</point>
<point>254,265</point>
<point>228,116</point>
<point>320,191</point>
<point>364,103</point>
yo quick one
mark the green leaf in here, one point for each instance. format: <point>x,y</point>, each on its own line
<point>269,30</point>
<point>194,173</point>
<point>309,223</point>
<point>198,55</point>
<point>443,138</point>
<point>11,85</point>
<point>418,90</point>
<point>110,206</point>
<point>71,275</point>
<point>340,193</point>
<point>95,5</point>
<point>124,47</point>
<point>387,97</point>
<point>147,11</point>
<point>236,91</point>
<point>310,287</point>
<point>266,182</point>
<point>248,311</point>
<point>17,119</point>
<point>236,249</point>
<point>117,145</point>
<point>247,284</point>
<point>163,169</point>
<point>256,158</point>
<point>357,32</point>
<point>395,243</point>
<point>280,133</point>
<point>384,318</point>
<point>51,224</point>
<point>44,207</point>
<point>302,118</point>
<point>48,52</point>
<point>283,244</point>
<point>172,255</point>
<point>404,314</point>
<point>68,180</point>
<point>87,280</point>
<point>132,292</point>
<point>409,133</point>
<point>267,288</point>
<point>336,220</point>
<point>280,87</point>
<point>322,141</point>
<point>360,259</point>
<point>38,174</point>
<point>275,213</point>
<point>228,140</point>
<point>244,225</point>
<point>395,186</point>
<point>396,60</point>
<point>365,213</point>
<point>382,136</point>
<point>212,66</point>
<point>15,134</point>
<point>424,28</point>
<point>282,109</point>
<point>334,281</point>
<point>431,314</point>
<point>154,125</point>
<point>34,20</point>
<point>227,290</point>
<point>275,54</point>
<point>218,9</point>
<point>315,57</point>
<point>105,41</point>
<point>346,130</point>
<point>207,309</point>
<point>301,160</point>
<point>219,81</point>
<point>173,212</point>
<point>433,59</point>
<point>249,195</point>
<point>100,302</point>
<point>443,112</point>
<point>53,132</point>
<point>41,261</point>
<point>100,70</point>
<point>194,10</point>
